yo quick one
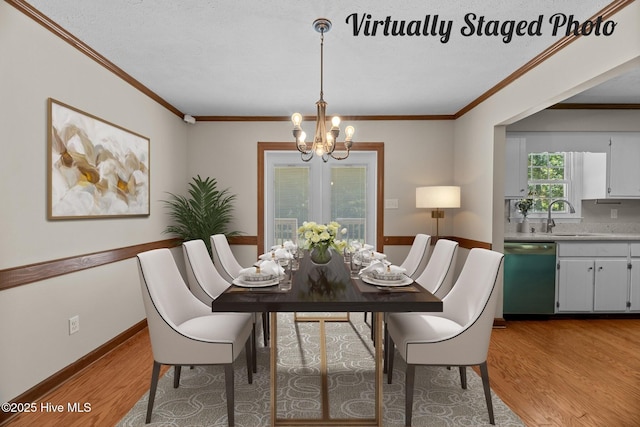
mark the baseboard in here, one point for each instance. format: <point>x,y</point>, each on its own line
<point>55,380</point>
<point>499,322</point>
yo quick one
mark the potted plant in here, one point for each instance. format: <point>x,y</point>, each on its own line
<point>206,211</point>
<point>524,205</point>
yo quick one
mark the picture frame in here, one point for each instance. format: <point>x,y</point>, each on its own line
<point>96,169</point>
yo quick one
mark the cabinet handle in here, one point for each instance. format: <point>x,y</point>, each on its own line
<point>600,268</point>
<point>590,268</point>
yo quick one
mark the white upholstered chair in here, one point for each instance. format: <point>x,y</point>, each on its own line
<point>229,268</point>
<point>437,278</point>
<point>223,258</point>
<point>459,335</point>
<point>184,331</point>
<point>414,263</point>
<point>206,283</point>
<point>418,255</point>
<point>204,280</point>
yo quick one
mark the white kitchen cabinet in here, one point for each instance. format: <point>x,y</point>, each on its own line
<point>516,183</point>
<point>611,285</point>
<point>575,285</point>
<point>634,291</point>
<point>592,277</point>
<point>594,176</point>
<point>622,168</point>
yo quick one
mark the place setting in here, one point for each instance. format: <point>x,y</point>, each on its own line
<point>273,268</point>
<point>382,275</point>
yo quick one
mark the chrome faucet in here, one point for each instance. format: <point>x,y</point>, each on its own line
<point>550,222</point>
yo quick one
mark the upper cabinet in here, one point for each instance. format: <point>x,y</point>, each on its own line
<point>623,166</point>
<point>616,173</point>
<point>515,186</point>
<point>610,162</point>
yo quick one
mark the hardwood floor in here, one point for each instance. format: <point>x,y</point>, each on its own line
<point>564,372</point>
<point>579,372</point>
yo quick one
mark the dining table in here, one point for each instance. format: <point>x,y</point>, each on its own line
<point>327,288</point>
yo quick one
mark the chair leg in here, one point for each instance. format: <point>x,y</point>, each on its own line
<point>265,328</point>
<point>229,386</point>
<point>176,375</point>
<point>463,377</point>
<point>248,349</point>
<point>484,371</point>
<point>373,328</point>
<point>408,393</point>
<point>152,391</point>
<point>386,349</point>
<point>254,351</point>
<point>390,351</point>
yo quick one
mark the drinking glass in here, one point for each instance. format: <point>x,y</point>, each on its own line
<point>355,264</point>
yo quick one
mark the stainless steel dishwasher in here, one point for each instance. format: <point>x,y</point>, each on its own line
<point>529,278</point>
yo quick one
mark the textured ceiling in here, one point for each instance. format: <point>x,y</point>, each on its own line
<point>262,58</point>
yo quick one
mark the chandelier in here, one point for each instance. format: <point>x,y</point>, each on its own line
<point>324,143</point>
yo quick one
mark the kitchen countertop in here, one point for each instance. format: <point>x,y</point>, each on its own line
<point>568,236</point>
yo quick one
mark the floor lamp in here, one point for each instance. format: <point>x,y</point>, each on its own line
<point>438,198</point>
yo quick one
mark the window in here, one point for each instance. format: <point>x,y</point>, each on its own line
<point>547,175</point>
<point>550,177</point>
<point>342,191</point>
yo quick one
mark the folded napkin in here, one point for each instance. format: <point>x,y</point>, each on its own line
<point>380,267</point>
<point>266,268</point>
<point>280,253</point>
<point>288,245</point>
<point>369,254</point>
<point>361,246</point>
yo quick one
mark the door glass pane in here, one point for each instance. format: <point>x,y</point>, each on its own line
<point>319,192</point>
<point>349,200</point>
<point>291,201</point>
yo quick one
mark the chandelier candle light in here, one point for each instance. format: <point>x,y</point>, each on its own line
<point>324,143</point>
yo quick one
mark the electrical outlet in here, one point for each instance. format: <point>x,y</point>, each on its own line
<point>614,213</point>
<point>74,324</point>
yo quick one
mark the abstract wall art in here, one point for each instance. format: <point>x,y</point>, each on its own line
<point>96,169</point>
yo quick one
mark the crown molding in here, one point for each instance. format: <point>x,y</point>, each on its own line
<point>43,20</point>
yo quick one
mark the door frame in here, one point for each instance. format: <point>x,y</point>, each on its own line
<point>378,147</point>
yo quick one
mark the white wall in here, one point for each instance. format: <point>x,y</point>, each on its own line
<point>580,65</point>
<point>479,134</point>
<point>37,65</point>
<point>416,153</point>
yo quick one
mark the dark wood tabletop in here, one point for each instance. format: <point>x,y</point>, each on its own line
<point>327,288</point>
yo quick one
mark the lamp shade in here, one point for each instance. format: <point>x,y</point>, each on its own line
<point>438,197</point>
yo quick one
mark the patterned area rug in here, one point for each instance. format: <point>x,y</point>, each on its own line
<point>438,398</point>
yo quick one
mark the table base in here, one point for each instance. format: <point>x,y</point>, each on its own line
<point>326,420</point>
<point>311,318</point>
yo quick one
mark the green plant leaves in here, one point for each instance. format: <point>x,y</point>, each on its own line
<point>205,212</point>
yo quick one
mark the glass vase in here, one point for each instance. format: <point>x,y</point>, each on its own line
<point>320,254</point>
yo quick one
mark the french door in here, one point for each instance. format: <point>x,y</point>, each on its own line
<point>343,191</point>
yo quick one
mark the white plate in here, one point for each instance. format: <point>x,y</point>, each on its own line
<point>239,282</point>
<point>370,280</point>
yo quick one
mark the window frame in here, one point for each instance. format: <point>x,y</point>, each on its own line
<point>378,147</point>
<point>573,180</point>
